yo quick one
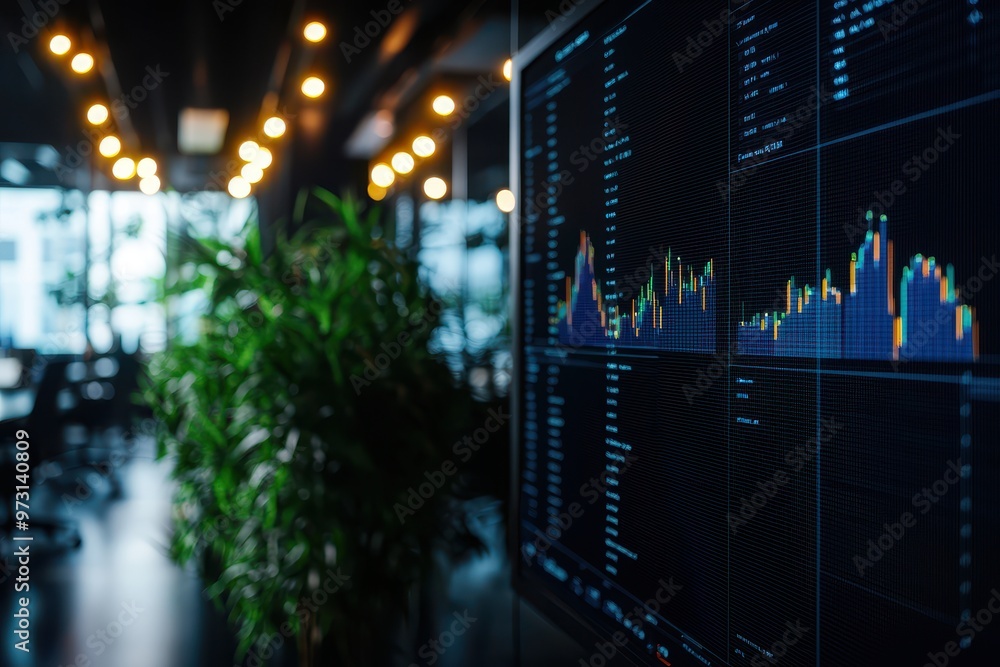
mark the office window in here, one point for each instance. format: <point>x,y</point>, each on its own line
<point>42,259</point>
<point>464,261</point>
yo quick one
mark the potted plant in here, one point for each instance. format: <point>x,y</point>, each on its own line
<point>298,421</point>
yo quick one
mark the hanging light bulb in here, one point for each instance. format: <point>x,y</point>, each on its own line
<point>146,167</point>
<point>424,146</point>
<point>274,127</point>
<point>383,175</point>
<point>435,188</point>
<point>402,162</point>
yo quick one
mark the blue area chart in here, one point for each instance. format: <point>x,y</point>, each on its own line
<point>674,309</point>
<point>875,317</point>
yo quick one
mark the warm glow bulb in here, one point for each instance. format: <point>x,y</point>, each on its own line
<point>262,159</point>
<point>60,45</point>
<point>423,146</point>
<point>402,162</point>
<point>274,127</point>
<point>313,87</point>
<point>382,175</point>
<point>110,146</point>
<point>376,193</point>
<point>508,69</point>
<point>248,150</point>
<point>97,114</point>
<point>146,167</point>
<point>150,185</point>
<point>443,105</point>
<point>238,187</point>
<point>124,168</point>
<point>505,201</point>
<point>314,32</point>
<point>435,188</point>
<point>252,173</point>
<point>82,63</point>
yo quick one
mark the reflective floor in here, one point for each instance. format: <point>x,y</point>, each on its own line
<point>119,601</point>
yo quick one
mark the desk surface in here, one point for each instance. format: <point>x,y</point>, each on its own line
<point>16,403</point>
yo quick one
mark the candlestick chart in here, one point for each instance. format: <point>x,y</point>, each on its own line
<point>916,314</point>
<point>672,307</point>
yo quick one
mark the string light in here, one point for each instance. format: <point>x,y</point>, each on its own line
<point>97,114</point>
<point>424,146</point>
<point>402,162</point>
<point>146,167</point>
<point>150,185</point>
<point>252,173</point>
<point>248,150</point>
<point>383,175</point>
<point>314,32</point>
<point>313,87</point>
<point>60,45</point>
<point>262,159</point>
<point>82,63</point>
<point>238,187</point>
<point>274,127</point>
<point>110,146</point>
<point>124,168</point>
<point>443,105</point>
<point>435,188</point>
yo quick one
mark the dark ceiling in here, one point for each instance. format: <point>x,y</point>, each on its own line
<point>229,54</point>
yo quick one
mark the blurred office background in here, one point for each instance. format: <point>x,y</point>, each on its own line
<point>89,249</point>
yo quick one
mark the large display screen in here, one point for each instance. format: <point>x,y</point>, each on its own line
<point>758,331</point>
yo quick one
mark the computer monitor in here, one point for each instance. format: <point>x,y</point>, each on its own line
<point>758,332</point>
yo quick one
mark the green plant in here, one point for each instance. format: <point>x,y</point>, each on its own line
<point>291,447</point>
